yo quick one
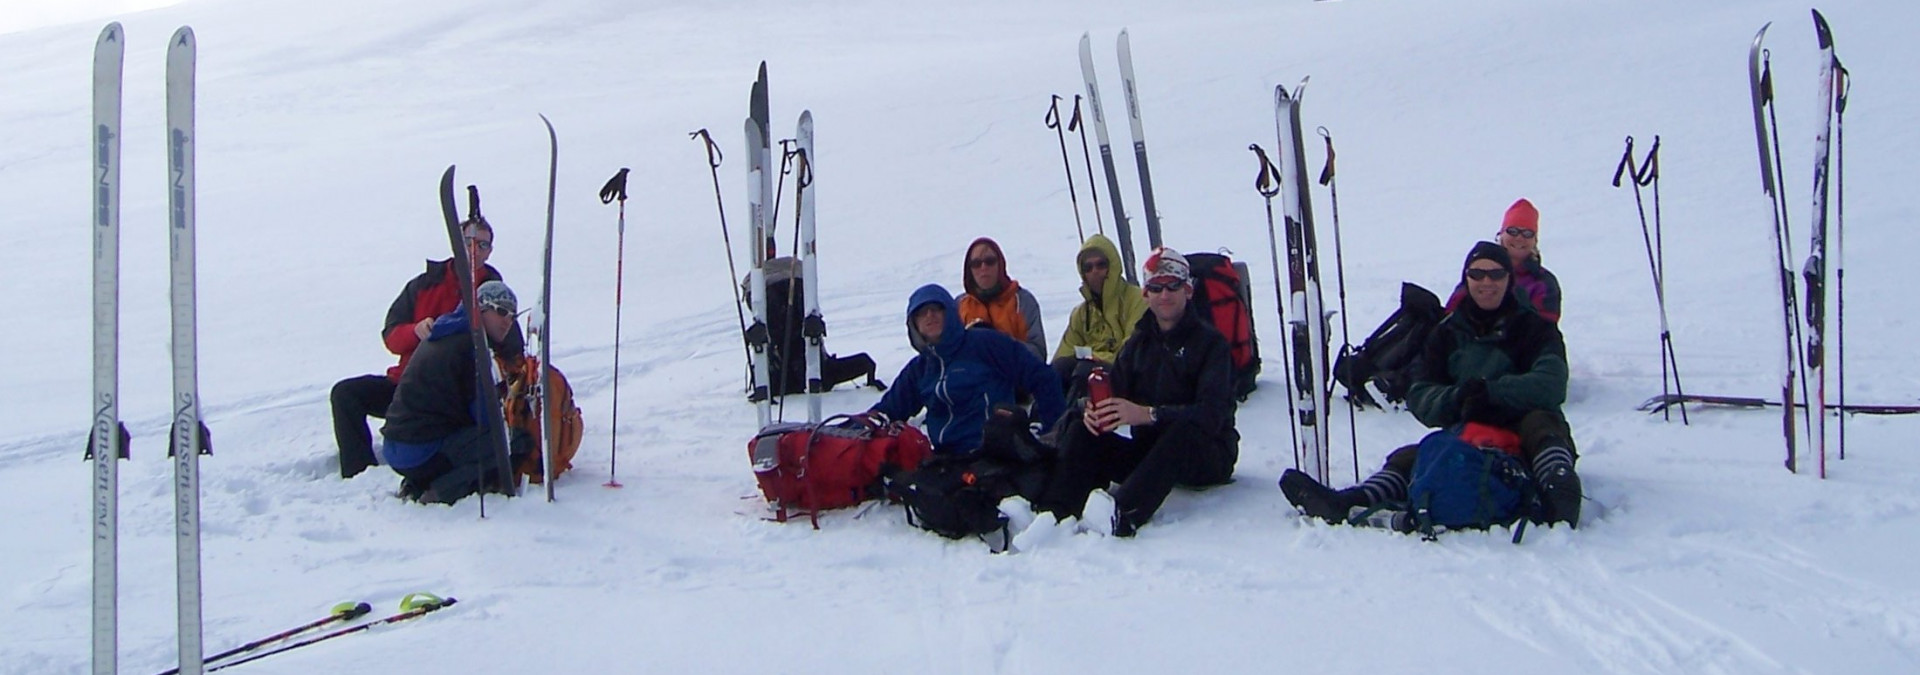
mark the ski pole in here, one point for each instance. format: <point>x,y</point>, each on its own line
<point>1268,184</point>
<point>1093,188</point>
<point>341,613</point>
<point>1053,122</point>
<point>714,158</point>
<point>1340,274</point>
<point>413,606</point>
<point>803,179</point>
<point>1643,174</point>
<point>1649,175</point>
<point>1844,84</point>
<point>616,190</point>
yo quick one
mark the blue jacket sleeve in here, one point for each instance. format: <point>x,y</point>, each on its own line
<point>902,400</point>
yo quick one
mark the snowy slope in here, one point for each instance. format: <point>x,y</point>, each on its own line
<point>324,126</point>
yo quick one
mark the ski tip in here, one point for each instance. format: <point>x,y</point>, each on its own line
<point>111,33</point>
<point>1821,30</point>
<point>183,37</point>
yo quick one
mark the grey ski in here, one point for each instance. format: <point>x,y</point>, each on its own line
<point>1815,271</point>
<point>1760,83</point>
<point>189,437</point>
<point>107,441</point>
<point>1121,228</point>
<point>1132,91</point>
<point>548,418</point>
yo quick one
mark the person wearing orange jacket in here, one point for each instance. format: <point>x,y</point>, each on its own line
<point>409,320</point>
<point>994,300</point>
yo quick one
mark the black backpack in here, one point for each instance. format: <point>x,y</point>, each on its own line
<point>1386,358</point>
<point>1220,289</point>
<point>959,496</point>
<point>787,345</point>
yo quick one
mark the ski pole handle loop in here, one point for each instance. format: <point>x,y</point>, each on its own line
<point>1650,167</point>
<point>1326,173</point>
<point>805,172</point>
<point>714,156</point>
<point>1626,162</point>
<point>616,187</point>
<point>1053,113</point>
<point>1268,182</point>
<point>1074,124</point>
<point>421,600</point>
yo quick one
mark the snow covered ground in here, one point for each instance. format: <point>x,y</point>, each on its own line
<point>324,126</point>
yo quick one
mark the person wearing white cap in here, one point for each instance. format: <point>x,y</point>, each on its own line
<point>434,437</point>
<point>1173,385</point>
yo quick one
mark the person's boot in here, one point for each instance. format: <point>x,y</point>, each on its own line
<point>1317,500</point>
<point>1560,496</point>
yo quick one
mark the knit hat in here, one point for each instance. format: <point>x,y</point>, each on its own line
<point>1485,250</point>
<point>496,296</point>
<point>1167,265</point>
<point>1522,215</point>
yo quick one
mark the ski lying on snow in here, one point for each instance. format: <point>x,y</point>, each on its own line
<point>1658,403</point>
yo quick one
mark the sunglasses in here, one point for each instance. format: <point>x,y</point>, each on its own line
<point>1166,287</point>
<point>978,263</point>
<point>482,244</point>
<point>1486,275</point>
<point>1092,265</point>
<point>1517,232</point>
<point>497,310</point>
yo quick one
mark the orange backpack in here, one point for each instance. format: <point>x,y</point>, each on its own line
<point>523,414</point>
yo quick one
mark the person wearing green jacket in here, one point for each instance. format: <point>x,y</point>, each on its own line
<point>1103,322</point>
<point>1494,362</point>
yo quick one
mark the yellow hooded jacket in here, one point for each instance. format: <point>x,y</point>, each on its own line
<point>1104,321</point>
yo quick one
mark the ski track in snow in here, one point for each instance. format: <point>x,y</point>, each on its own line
<point>322,128</point>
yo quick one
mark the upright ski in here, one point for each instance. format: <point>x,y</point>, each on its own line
<point>1125,48</point>
<point>1815,271</point>
<point>1308,324</point>
<point>490,415</point>
<point>814,327</point>
<point>107,442</point>
<point>1760,83</point>
<point>549,418</point>
<point>760,169</point>
<point>1121,228</point>
<point>757,335</point>
<point>189,437</point>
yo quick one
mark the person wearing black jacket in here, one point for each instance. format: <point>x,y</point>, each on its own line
<point>434,438</point>
<point>1173,386</point>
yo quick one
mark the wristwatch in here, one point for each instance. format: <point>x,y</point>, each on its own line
<point>1153,414</point>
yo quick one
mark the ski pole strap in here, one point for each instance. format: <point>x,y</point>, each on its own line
<point>616,187</point>
<point>805,172</point>
<point>1268,182</point>
<point>1846,86</point>
<point>423,602</point>
<point>714,156</point>
<point>473,203</point>
<point>1626,163</point>
<point>1326,173</point>
<point>1074,124</point>
<point>1053,113</point>
<point>1650,167</point>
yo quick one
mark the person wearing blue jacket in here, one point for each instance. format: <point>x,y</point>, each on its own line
<point>961,374</point>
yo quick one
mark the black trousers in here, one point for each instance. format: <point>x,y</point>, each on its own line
<point>354,400</point>
<point>455,471</point>
<point>1147,466</point>
<point>1539,430</point>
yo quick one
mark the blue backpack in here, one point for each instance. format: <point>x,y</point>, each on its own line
<point>1459,486</point>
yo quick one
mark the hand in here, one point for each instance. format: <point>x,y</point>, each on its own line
<point>1114,412</point>
<point>1475,403</point>
<point>423,329</point>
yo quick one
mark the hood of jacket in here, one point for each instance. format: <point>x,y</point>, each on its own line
<point>952,331</point>
<point>1001,285</point>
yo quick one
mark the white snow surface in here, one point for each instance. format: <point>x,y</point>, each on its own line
<point>323,128</point>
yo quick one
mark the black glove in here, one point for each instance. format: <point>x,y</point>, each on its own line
<point>1475,405</point>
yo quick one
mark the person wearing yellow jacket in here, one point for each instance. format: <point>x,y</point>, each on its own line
<point>1103,322</point>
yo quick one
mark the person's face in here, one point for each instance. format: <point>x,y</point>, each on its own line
<point>930,319</point>
<point>984,265</point>
<point>496,323</point>
<point>479,245</point>
<point>1520,244</point>
<point>1168,299</point>
<point>1487,283</point>
<point>1093,272</point>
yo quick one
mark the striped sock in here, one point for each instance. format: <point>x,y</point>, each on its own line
<point>1551,459</point>
<point>1385,485</point>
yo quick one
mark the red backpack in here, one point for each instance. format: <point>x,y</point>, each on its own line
<point>840,462</point>
<point>1220,287</point>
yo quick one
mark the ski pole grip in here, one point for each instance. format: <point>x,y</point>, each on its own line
<point>616,187</point>
<point>1626,160</point>
<point>1650,167</point>
<point>714,156</point>
<point>1053,113</point>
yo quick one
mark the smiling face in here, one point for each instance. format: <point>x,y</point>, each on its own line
<point>1486,283</point>
<point>930,319</point>
<point>1520,243</point>
<point>1167,299</point>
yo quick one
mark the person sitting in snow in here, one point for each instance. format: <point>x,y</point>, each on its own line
<point>1520,235</point>
<point>409,319</point>
<point>1102,323</point>
<point>996,301</point>
<point>435,437</point>
<point>1494,361</point>
<point>961,375</point>
<point>1173,385</point>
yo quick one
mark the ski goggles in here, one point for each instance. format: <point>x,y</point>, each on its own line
<point>1166,287</point>
<point>1517,232</point>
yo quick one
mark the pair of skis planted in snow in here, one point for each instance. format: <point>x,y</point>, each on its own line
<point>108,437</point>
<point>762,214</point>
<point>1123,229</point>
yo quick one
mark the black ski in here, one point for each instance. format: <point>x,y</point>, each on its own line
<point>490,417</point>
<point>1661,402</point>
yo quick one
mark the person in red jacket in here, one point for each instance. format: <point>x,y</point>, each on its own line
<point>409,320</point>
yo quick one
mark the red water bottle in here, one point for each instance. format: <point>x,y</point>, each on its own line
<point>1099,389</point>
